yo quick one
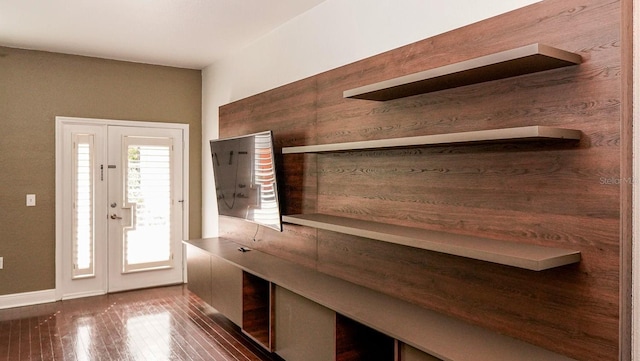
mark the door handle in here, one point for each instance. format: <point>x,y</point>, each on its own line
<point>115,216</point>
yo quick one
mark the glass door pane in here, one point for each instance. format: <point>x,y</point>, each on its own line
<point>83,242</point>
<point>147,242</point>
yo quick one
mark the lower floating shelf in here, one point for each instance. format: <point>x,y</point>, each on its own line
<point>526,256</point>
<point>527,133</point>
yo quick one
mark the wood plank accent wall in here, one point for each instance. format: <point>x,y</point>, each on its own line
<point>565,196</point>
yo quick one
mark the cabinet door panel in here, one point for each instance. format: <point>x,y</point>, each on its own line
<point>199,273</point>
<point>304,329</point>
<point>408,353</point>
<point>226,289</point>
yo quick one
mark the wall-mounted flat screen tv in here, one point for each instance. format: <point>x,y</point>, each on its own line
<point>244,172</point>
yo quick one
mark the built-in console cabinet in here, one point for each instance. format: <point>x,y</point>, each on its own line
<point>303,314</point>
<point>241,297</point>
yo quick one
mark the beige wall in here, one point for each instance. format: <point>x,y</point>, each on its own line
<point>35,87</point>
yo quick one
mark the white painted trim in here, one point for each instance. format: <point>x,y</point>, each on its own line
<point>27,298</point>
<point>185,198</point>
<point>71,296</point>
<point>119,122</point>
<point>63,120</point>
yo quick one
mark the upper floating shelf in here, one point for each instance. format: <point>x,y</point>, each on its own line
<point>524,60</point>
<point>530,133</point>
<point>526,256</point>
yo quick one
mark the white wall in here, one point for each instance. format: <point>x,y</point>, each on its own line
<point>334,33</point>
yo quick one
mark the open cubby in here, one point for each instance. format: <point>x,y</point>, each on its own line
<point>355,342</point>
<point>256,309</point>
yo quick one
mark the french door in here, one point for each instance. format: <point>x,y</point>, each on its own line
<point>120,202</point>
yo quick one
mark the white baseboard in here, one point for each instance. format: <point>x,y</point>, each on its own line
<point>27,298</point>
<point>71,296</point>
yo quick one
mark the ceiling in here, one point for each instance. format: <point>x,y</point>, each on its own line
<point>181,33</point>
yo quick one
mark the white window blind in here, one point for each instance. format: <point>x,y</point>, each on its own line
<point>148,193</point>
<point>83,206</point>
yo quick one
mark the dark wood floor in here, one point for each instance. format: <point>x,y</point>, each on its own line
<point>167,323</point>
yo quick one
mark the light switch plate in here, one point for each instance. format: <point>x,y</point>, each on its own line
<point>1,262</point>
<point>31,200</point>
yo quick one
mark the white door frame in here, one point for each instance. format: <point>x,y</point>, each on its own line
<point>61,121</point>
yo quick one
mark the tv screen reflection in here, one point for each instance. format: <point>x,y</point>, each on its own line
<point>245,178</point>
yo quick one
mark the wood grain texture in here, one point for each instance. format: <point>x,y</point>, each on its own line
<point>289,111</point>
<point>548,194</point>
<point>629,93</point>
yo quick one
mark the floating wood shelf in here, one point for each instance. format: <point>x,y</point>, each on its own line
<point>529,133</point>
<point>531,257</point>
<point>439,335</point>
<point>510,63</point>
